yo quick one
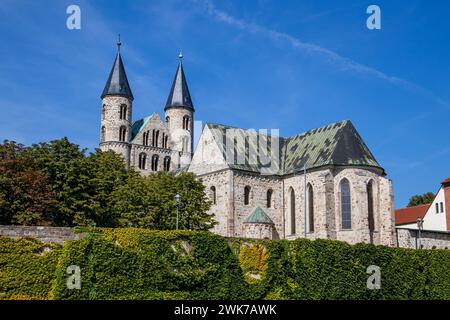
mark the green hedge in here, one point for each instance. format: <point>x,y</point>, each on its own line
<point>143,264</point>
<point>27,268</point>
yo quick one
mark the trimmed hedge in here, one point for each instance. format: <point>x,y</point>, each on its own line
<point>27,268</point>
<point>144,264</point>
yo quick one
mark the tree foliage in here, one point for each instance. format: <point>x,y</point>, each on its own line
<point>421,199</point>
<point>57,183</point>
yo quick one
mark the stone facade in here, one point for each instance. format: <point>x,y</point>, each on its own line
<point>408,238</point>
<point>44,234</point>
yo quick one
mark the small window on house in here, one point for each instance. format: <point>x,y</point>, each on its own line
<point>167,163</point>
<point>437,207</point>
<point>442,207</point>
<point>247,195</point>
<point>269,198</point>
<point>213,194</point>
<point>155,159</point>
<point>142,161</point>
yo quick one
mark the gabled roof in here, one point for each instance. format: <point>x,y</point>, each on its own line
<point>117,83</point>
<point>335,144</point>
<point>411,214</point>
<point>179,95</point>
<point>140,124</point>
<point>258,216</point>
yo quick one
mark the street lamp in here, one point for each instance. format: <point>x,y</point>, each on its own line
<point>177,201</point>
<point>420,226</point>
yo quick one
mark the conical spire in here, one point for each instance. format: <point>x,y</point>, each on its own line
<point>179,95</point>
<point>117,83</point>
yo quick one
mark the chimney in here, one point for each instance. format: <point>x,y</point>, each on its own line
<point>446,186</point>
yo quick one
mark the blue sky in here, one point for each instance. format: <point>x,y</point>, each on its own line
<point>292,65</point>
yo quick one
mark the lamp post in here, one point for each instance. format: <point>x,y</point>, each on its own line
<point>420,226</point>
<point>177,201</point>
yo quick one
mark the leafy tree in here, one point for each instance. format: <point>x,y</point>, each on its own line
<point>24,192</point>
<point>421,199</point>
<point>149,202</point>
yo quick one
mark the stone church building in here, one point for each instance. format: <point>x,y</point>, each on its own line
<point>323,183</point>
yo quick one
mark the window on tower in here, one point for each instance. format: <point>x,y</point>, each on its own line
<point>123,111</point>
<point>122,133</point>
<point>167,122</point>
<point>186,122</point>
<point>103,134</point>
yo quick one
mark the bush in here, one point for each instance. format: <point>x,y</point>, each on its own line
<point>133,263</point>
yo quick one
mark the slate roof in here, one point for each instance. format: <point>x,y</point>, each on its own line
<point>335,144</point>
<point>117,83</point>
<point>258,216</point>
<point>179,95</point>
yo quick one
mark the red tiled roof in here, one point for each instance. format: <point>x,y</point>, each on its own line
<point>446,181</point>
<point>410,215</point>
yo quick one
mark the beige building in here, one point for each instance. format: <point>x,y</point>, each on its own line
<point>256,180</point>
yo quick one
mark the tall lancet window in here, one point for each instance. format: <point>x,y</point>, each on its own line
<point>310,206</point>
<point>269,198</point>
<point>213,194</point>
<point>370,210</point>
<point>346,205</point>
<point>247,190</point>
<point>292,210</point>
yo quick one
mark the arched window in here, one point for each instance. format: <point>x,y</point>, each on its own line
<point>166,139</point>
<point>103,134</point>
<point>155,159</point>
<point>145,138</point>
<point>122,133</point>
<point>156,138</point>
<point>269,198</point>
<point>163,139</point>
<point>186,122</point>
<point>346,205</point>
<point>153,137</point>
<point>123,112</point>
<point>103,112</point>
<point>247,195</point>
<point>167,163</point>
<point>370,218</point>
<point>142,161</point>
<point>213,194</point>
<point>168,122</point>
<point>292,210</point>
<point>310,207</point>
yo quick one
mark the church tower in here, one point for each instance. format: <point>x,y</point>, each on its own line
<point>179,116</point>
<point>116,120</point>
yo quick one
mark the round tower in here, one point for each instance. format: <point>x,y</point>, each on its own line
<point>116,116</point>
<point>179,116</point>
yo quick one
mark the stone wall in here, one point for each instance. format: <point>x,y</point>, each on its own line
<point>45,234</point>
<point>408,238</point>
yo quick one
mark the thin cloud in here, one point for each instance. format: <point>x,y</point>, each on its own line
<point>340,62</point>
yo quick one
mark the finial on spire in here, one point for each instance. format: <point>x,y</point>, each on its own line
<point>180,56</point>
<point>118,43</point>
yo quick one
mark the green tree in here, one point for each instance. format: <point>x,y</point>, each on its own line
<point>24,193</point>
<point>149,202</point>
<point>421,199</point>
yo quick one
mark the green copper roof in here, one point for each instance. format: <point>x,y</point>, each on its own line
<point>258,216</point>
<point>335,144</point>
